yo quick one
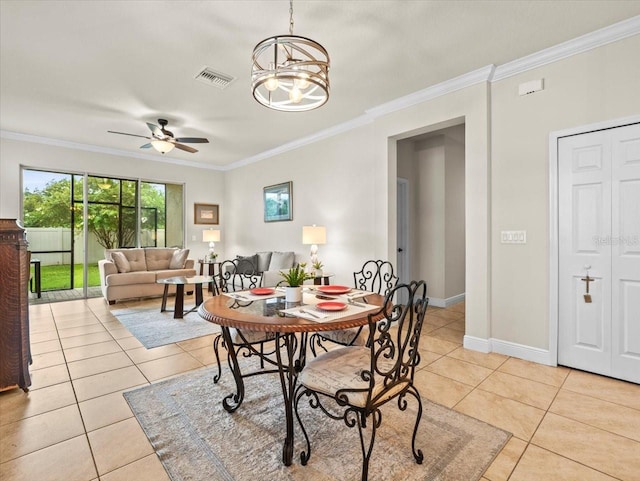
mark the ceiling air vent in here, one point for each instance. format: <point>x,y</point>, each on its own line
<point>211,77</point>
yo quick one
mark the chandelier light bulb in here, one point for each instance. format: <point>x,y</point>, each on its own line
<point>302,83</point>
<point>271,84</point>
<point>295,95</point>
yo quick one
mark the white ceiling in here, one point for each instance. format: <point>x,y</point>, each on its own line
<point>72,70</point>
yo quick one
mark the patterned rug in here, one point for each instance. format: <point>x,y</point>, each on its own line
<point>197,440</point>
<point>154,328</point>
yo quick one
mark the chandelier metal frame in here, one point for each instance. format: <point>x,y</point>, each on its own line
<point>290,73</point>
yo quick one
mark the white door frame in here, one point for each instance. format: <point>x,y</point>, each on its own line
<point>554,300</point>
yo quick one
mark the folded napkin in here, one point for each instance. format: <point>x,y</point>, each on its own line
<point>307,313</point>
<point>356,294</point>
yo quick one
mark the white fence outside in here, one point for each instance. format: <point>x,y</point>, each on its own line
<point>59,238</point>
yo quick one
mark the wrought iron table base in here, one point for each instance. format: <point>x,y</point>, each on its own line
<point>287,371</point>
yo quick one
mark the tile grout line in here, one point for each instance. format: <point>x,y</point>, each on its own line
<point>547,411</point>
<point>77,403</point>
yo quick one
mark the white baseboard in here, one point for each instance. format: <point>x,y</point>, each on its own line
<point>477,344</point>
<point>528,353</point>
<point>450,301</point>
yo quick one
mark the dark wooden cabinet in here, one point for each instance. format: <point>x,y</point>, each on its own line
<point>15,352</point>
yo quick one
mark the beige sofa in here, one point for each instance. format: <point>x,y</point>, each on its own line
<point>132,273</point>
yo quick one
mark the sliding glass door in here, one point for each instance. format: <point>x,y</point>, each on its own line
<point>72,218</point>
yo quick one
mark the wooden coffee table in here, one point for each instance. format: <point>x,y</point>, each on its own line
<point>180,282</point>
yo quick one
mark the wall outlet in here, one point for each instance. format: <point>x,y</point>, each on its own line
<point>513,237</point>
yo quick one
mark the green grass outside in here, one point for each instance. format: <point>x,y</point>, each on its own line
<point>58,277</point>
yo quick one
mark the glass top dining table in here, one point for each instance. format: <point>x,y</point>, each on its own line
<point>266,315</point>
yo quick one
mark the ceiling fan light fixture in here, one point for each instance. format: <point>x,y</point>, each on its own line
<point>290,73</point>
<point>162,146</point>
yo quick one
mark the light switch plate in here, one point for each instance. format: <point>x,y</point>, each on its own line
<point>513,237</point>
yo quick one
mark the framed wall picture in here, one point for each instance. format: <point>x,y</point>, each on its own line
<point>278,204</point>
<point>206,214</point>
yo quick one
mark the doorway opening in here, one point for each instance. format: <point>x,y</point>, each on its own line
<point>433,235</point>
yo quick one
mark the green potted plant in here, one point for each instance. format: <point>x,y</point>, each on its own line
<point>294,277</point>
<point>317,266</point>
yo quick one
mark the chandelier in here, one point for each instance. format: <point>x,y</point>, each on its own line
<point>290,73</point>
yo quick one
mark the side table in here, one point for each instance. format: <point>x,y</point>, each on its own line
<point>211,271</point>
<point>323,279</point>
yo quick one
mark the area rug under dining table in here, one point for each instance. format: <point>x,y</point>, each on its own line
<point>197,440</point>
<point>154,328</point>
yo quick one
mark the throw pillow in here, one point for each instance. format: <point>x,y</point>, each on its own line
<point>281,260</point>
<point>247,264</point>
<point>179,259</point>
<point>121,262</point>
<point>264,258</point>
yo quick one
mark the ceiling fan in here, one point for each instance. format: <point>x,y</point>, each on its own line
<point>163,140</point>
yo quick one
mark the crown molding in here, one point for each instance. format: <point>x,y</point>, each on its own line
<point>6,134</point>
<point>477,76</point>
<point>589,41</point>
<point>310,139</point>
<point>467,80</point>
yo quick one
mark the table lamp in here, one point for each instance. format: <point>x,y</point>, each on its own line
<point>314,235</point>
<point>211,236</point>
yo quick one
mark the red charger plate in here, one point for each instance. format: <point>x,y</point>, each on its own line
<point>334,289</point>
<point>262,291</point>
<point>331,306</point>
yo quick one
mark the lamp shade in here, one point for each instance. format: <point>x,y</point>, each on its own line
<point>211,235</point>
<point>162,146</point>
<point>314,234</point>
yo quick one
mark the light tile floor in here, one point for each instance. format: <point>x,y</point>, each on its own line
<point>75,425</point>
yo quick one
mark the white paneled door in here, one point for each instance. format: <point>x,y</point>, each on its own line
<point>599,249</point>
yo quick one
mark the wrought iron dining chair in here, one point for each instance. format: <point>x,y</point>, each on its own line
<point>376,276</point>
<point>238,275</point>
<point>352,383</point>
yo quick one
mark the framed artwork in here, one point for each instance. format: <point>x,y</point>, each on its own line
<point>205,214</point>
<point>278,202</point>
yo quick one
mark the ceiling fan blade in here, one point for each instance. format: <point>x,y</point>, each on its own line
<point>155,130</point>
<point>124,133</point>
<point>193,140</point>
<point>145,146</point>
<point>186,148</point>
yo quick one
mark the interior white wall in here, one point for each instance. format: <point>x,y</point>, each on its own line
<point>333,186</point>
<point>203,186</point>
<point>430,223</point>
<point>454,227</point>
<point>597,85</point>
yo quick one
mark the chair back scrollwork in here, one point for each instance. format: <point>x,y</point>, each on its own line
<point>238,275</point>
<point>393,342</point>
<point>376,276</point>
<point>360,379</point>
